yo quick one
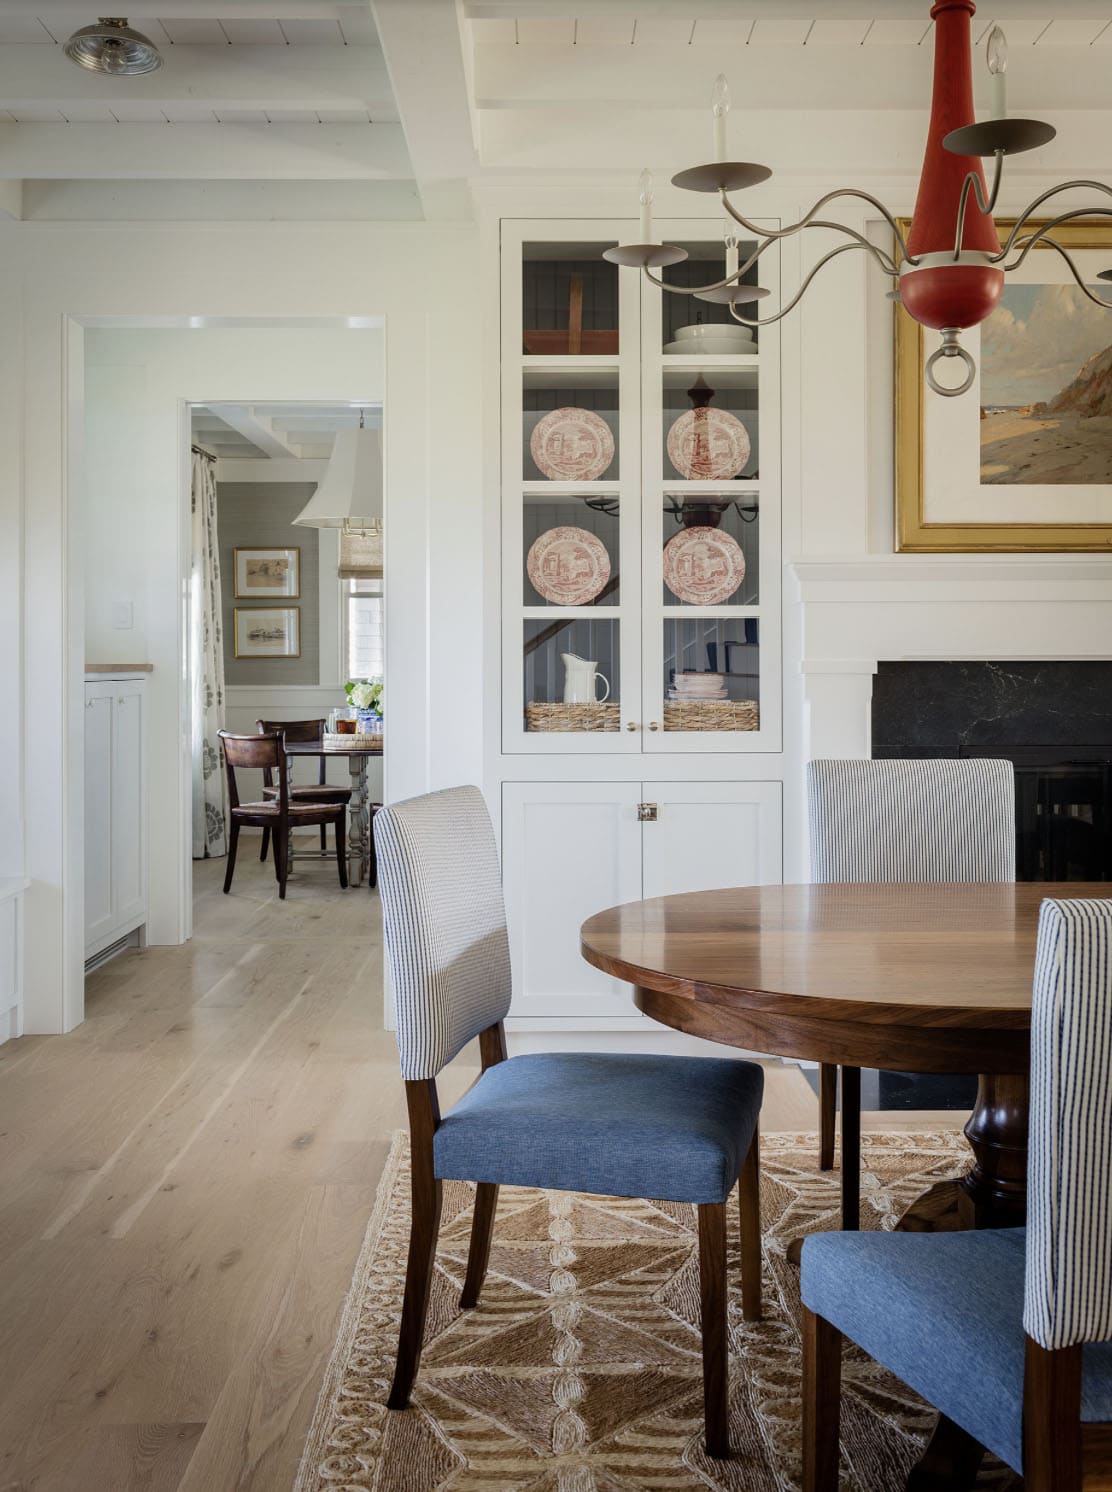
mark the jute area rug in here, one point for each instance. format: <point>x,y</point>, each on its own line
<point>580,1370</point>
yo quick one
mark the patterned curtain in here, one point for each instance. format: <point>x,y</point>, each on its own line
<point>206,644</point>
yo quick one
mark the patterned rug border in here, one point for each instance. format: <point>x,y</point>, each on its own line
<point>323,1418</point>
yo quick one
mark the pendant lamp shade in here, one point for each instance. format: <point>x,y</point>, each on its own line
<point>349,495</point>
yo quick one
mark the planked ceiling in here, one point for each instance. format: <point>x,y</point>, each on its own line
<point>264,432</point>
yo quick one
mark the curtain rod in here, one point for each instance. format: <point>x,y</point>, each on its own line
<point>200,451</point>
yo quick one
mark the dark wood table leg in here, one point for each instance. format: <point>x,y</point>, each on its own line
<point>993,1193</point>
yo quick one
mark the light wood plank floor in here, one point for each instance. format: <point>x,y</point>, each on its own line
<point>185,1181</point>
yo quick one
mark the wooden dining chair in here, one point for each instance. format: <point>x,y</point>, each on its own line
<point>309,731</point>
<point>1008,1332</point>
<point>277,815</point>
<point>677,1128</point>
<point>918,821</point>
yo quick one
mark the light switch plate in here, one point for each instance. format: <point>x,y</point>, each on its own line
<point>123,613</point>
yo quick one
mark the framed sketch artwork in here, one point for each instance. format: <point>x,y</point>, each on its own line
<point>263,573</point>
<point>268,632</point>
<point>1023,461</point>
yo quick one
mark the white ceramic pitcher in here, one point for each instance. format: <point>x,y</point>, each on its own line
<point>579,681</point>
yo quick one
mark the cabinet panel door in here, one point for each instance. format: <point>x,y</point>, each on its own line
<point>568,850</point>
<point>99,913</point>
<point>711,834</point>
<point>128,848</point>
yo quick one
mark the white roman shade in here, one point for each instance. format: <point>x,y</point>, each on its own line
<point>361,555</point>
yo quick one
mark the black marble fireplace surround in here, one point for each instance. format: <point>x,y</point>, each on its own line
<point>1054,721</point>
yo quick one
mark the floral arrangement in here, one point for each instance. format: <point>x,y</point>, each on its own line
<point>365,694</point>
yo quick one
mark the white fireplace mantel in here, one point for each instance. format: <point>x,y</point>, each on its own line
<point>856,613</point>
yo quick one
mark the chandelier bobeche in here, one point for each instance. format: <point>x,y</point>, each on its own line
<point>949,270</point>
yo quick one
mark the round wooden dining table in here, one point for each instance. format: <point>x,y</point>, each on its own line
<point>914,978</point>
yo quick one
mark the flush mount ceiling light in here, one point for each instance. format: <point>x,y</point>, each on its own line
<point>114,47</point>
<point>949,271</point>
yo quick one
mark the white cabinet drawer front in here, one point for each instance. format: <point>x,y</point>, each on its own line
<point>569,850</point>
<point>129,871</point>
<point>712,834</point>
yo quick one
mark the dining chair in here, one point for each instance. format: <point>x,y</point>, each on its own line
<point>309,731</point>
<point>277,815</point>
<point>682,1129</point>
<point>1007,1332</point>
<point>892,820</point>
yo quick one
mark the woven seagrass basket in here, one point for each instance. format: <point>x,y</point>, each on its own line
<point>561,717</point>
<point>712,714</point>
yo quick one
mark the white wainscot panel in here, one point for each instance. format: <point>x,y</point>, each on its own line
<point>11,960</point>
<point>569,850</point>
<point>711,834</point>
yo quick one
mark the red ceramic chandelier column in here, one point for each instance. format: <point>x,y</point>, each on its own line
<point>950,294</point>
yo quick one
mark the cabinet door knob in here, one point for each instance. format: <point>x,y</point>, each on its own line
<point>654,724</point>
<point>632,725</point>
<point>89,703</point>
<point>646,813</point>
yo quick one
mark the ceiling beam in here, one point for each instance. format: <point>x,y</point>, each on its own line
<point>231,152</point>
<point>197,10</point>
<point>254,427</point>
<point>11,199</point>
<point>207,78</point>
<point>423,44</point>
<point>803,10</point>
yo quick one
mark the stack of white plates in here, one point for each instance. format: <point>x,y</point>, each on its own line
<point>694,686</point>
<point>712,339</point>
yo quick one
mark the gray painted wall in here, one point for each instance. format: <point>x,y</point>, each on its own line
<point>256,515</point>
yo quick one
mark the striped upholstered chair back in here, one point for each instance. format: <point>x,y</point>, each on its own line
<point>445,924</point>
<point>931,820</point>
<point>1069,1179</point>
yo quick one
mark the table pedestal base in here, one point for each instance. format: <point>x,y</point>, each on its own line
<point>993,1193</point>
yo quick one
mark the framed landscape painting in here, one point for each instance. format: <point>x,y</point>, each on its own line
<point>1023,461</point>
<point>262,573</point>
<point>268,632</point>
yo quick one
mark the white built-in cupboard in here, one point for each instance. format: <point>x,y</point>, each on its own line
<point>641,806</point>
<point>115,810</point>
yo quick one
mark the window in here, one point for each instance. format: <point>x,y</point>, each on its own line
<point>364,651</point>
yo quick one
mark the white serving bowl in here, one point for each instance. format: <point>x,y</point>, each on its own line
<point>714,331</point>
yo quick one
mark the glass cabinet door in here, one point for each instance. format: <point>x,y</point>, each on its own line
<point>711,487</point>
<point>571,455</point>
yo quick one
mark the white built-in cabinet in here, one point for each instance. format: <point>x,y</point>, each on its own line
<point>115,811</point>
<point>686,801</point>
<point>569,849</point>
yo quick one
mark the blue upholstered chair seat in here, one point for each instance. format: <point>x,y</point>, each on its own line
<point>614,1125</point>
<point>944,1312</point>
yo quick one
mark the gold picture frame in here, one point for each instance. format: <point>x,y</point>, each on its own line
<point>915,532</point>
<point>271,572</point>
<point>275,631</point>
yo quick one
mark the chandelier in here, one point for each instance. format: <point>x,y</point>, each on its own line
<point>948,272</point>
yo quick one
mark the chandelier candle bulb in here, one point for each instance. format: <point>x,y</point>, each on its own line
<point>720,107</point>
<point>996,53</point>
<point>731,254</point>
<point>645,197</point>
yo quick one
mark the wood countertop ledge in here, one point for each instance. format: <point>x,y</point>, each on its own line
<point>119,668</point>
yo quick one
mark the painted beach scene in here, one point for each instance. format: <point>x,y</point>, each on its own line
<point>1046,387</point>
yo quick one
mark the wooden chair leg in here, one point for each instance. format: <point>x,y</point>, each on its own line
<point>427,1195</point>
<point>822,1391</point>
<point>851,1148</point>
<point>749,1222</point>
<point>478,1255</point>
<point>341,852</point>
<point>712,1291</point>
<point>950,1462</point>
<point>324,839</point>
<point>233,842</point>
<point>266,844</point>
<point>282,860</point>
<point>1052,1445</point>
<point>828,1108</point>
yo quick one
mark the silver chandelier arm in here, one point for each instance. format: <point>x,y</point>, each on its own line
<point>733,279</point>
<point>1049,243</point>
<point>972,183</point>
<point>843,248</point>
<point>1033,207</point>
<point>1039,234</point>
<point>807,220</point>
